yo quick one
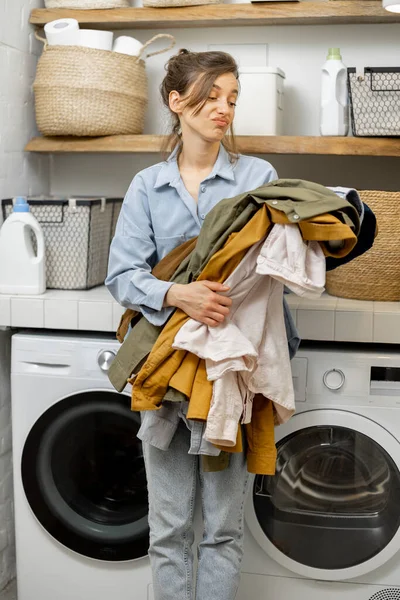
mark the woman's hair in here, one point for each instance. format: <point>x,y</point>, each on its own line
<point>201,69</point>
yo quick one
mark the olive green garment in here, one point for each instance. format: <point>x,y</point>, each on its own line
<point>297,198</point>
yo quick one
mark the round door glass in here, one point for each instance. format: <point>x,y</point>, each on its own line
<point>84,477</point>
<point>334,501</point>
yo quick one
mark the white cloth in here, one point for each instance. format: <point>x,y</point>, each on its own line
<point>248,353</point>
<point>297,264</point>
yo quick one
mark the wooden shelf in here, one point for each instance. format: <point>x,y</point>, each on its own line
<point>226,15</point>
<point>339,146</point>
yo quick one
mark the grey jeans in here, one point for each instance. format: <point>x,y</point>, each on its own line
<point>172,477</point>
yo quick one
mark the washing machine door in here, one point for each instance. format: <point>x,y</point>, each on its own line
<point>332,511</point>
<point>83,475</point>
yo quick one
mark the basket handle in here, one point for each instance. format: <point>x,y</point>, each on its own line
<point>40,38</point>
<point>143,48</point>
<point>153,39</point>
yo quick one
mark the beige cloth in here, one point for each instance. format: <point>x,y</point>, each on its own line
<point>247,354</point>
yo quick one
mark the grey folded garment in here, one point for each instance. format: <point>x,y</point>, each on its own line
<point>159,427</point>
<point>352,196</point>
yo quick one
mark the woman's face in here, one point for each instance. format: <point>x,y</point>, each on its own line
<point>216,116</point>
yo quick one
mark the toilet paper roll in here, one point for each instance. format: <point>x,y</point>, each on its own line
<point>92,38</point>
<point>62,32</point>
<point>125,44</point>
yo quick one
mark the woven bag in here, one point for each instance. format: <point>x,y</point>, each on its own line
<point>174,3</point>
<point>86,4</point>
<point>376,274</point>
<point>82,91</point>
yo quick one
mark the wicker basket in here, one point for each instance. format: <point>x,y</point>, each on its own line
<point>87,92</point>
<point>169,3</point>
<point>86,4</point>
<point>376,274</point>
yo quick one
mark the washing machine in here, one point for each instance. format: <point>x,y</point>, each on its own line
<point>79,480</point>
<point>326,526</point>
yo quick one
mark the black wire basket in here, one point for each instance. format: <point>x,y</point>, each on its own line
<point>375,101</point>
<point>77,236</point>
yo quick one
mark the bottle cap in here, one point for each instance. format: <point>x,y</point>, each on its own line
<point>20,205</point>
<point>334,54</point>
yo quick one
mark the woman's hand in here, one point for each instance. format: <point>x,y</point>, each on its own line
<point>201,301</point>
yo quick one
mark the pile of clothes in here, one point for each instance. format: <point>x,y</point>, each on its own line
<point>283,234</point>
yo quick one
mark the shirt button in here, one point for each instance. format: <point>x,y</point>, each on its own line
<point>274,201</point>
<point>203,216</point>
<point>296,217</point>
<point>203,188</point>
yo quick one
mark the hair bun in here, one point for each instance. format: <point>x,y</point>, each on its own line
<point>184,51</point>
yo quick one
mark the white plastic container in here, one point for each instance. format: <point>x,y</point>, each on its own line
<point>259,108</point>
<point>334,114</point>
<point>21,270</point>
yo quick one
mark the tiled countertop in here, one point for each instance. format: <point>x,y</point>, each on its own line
<point>86,310</point>
<point>328,318</point>
<point>340,320</point>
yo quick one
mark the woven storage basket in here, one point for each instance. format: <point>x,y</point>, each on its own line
<point>77,237</point>
<point>86,4</point>
<point>169,3</point>
<point>87,92</point>
<point>376,274</point>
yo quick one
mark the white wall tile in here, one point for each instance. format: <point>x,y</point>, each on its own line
<point>387,327</point>
<point>16,27</point>
<point>387,307</point>
<point>354,326</point>
<point>95,316</point>
<point>27,312</point>
<point>61,314</point>
<point>325,302</point>
<point>5,311</point>
<point>316,324</point>
<point>344,304</point>
<point>18,58</point>
<point>118,311</point>
<point>2,22</point>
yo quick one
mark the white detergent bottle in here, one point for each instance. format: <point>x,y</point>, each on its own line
<point>21,270</point>
<point>334,96</point>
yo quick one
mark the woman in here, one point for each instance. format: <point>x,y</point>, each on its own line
<point>165,205</point>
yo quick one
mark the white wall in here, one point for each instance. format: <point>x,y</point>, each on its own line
<point>300,51</point>
<point>20,174</point>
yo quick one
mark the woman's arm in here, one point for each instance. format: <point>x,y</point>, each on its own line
<point>132,257</point>
<point>133,254</point>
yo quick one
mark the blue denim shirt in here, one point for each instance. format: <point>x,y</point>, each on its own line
<point>158,214</point>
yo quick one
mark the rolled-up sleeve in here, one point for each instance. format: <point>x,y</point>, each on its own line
<point>133,255</point>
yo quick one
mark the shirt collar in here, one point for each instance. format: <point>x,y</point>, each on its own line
<point>169,172</point>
